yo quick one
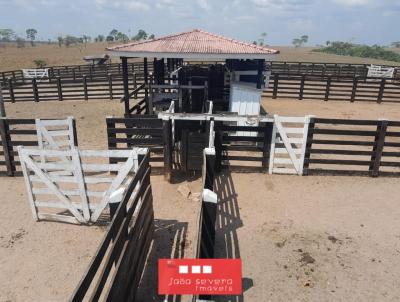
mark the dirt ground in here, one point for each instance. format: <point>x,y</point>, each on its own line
<point>311,238</point>
<point>44,261</point>
<point>315,238</point>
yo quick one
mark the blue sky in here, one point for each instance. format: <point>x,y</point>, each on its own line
<point>361,21</point>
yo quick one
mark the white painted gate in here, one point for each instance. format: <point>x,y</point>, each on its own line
<point>85,186</point>
<point>56,134</point>
<point>289,139</point>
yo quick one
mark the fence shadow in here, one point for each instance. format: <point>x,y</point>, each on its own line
<point>168,242</point>
<point>227,224</point>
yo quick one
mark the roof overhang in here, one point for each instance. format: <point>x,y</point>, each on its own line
<point>193,56</point>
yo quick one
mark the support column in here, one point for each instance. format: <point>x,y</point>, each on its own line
<point>168,149</point>
<point>2,109</point>
<point>124,62</point>
<point>149,106</point>
<point>260,70</point>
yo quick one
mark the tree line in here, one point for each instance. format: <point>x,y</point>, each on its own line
<point>8,35</point>
<point>363,51</point>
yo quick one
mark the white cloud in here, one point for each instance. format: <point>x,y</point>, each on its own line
<point>354,3</point>
<point>204,4</point>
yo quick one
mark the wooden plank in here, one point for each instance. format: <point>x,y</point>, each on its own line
<point>378,148</point>
<point>7,148</point>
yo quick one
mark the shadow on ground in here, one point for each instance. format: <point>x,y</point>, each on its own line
<point>169,242</point>
<point>227,224</point>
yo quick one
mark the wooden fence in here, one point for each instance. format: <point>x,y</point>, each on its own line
<point>290,80</point>
<point>367,147</point>
<point>207,215</point>
<point>75,72</point>
<point>18,132</point>
<point>323,69</point>
<point>334,88</point>
<point>146,131</point>
<point>243,147</point>
<point>60,89</point>
<point>116,269</point>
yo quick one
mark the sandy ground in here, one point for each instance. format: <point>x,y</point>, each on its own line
<point>311,238</point>
<point>44,261</point>
<point>332,109</point>
<point>300,238</point>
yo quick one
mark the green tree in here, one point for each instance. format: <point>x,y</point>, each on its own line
<point>100,38</point>
<point>363,51</point>
<point>86,39</point>
<point>31,35</point>
<point>261,40</point>
<point>141,35</point>
<point>60,41</point>
<point>121,37</point>
<point>298,42</point>
<point>110,38</point>
<point>6,34</point>
<point>113,33</point>
<point>152,37</point>
<point>396,44</point>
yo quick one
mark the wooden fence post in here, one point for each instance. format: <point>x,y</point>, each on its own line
<point>59,89</point>
<point>111,137</point>
<point>135,84</point>
<point>378,148</point>
<point>209,211</point>
<point>11,90</point>
<point>218,146</point>
<point>85,88</point>
<point>310,136</point>
<point>381,90</point>
<point>303,79</point>
<point>2,108</point>
<point>110,86</point>
<point>73,74</point>
<point>210,171</point>
<point>35,90</point>
<point>275,91</point>
<point>267,145</point>
<point>167,134</point>
<point>354,89</point>
<point>328,87</point>
<point>7,148</point>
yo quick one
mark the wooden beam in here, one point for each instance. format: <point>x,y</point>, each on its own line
<point>2,108</point>
<point>124,61</point>
<point>260,75</point>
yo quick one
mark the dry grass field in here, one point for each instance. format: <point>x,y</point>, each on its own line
<point>12,58</point>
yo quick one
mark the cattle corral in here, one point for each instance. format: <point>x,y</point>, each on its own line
<point>285,214</point>
<point>196,164</point>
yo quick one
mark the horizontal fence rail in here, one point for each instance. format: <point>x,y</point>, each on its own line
<point>137,131</point>
<point>243,147</point>
<point>366,147</point>
<point>116,269</point>
<point>327,81</point>
<point>334,88</point>
<point>323,69</point>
